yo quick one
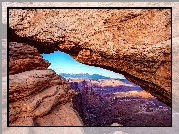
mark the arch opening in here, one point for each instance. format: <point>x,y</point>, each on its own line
<point>104,98</point>
<point>152,85</point>
<point>149,66</point>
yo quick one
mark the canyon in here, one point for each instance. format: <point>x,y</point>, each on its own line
<point>135,43</point>
<point>100,103</point>
<point>132,42</point>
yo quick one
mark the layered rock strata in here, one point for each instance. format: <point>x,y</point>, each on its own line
<point>37,97</point>
<point>133,42</point>
<point>23,57</point>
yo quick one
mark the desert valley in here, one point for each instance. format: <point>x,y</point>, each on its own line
<point>42,96</point>
<point>102,101</point>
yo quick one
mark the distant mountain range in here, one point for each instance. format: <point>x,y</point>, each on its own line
<point>84,75</point>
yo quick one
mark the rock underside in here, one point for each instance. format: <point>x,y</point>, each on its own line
<point>37,96</point>
<point>132,42</point>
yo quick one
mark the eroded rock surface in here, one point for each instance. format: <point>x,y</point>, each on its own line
<point>59,116</point>
<point>28,82</point>
<point>23,57</point>
<point>34,94</point>
<point>135,43</point>
<point>25,111</point>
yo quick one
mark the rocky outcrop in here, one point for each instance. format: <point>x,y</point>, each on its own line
<point>29,111</point>
<point>38,97</point>
<point>59,116</point>
<point>28,82</point>
<point>23,57</point>
<point>135,43</point>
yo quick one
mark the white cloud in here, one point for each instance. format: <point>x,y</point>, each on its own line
<point>77,65</point>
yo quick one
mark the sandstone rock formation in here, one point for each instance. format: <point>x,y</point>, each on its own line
<point>103,83</point>
<point>142,94</point>
<point>37,97</point>
<point>28,82</point>
<point>135,43</point>
<point>23,57</point>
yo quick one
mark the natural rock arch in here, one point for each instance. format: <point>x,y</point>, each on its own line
<point>135,43</point>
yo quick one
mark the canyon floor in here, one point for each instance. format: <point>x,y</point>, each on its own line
<point>117,103</point>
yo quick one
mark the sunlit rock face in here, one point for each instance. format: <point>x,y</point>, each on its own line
<point>135,43</point>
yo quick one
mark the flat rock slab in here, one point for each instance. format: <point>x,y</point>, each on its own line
<point>28,82</point>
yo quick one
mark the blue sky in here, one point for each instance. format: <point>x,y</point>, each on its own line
<point>64,63</point>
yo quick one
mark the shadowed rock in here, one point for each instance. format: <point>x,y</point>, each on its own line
<point>23,57</point>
